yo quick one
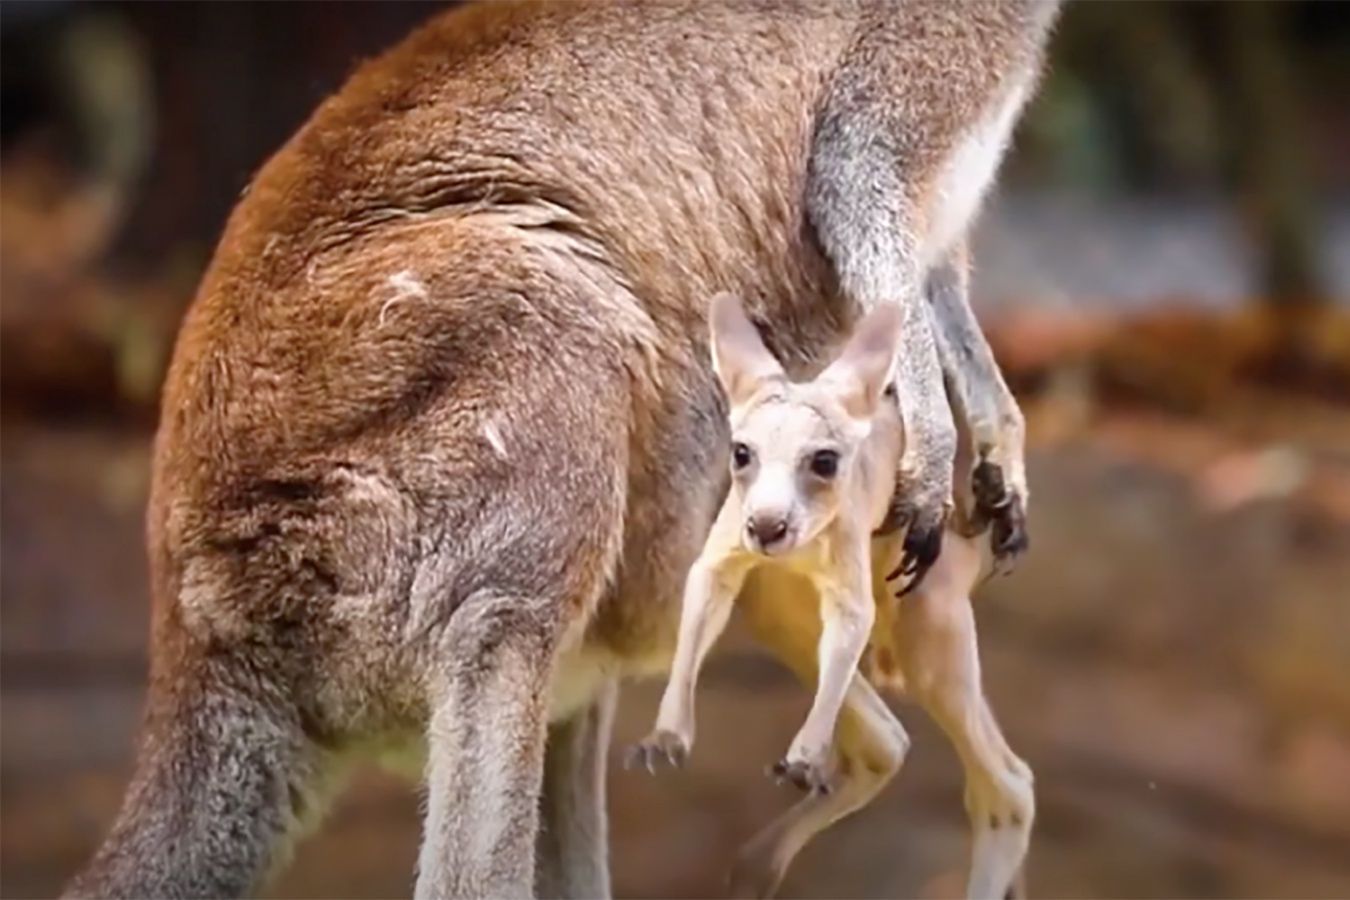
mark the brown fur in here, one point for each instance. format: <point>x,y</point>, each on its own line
<point>440,438</point>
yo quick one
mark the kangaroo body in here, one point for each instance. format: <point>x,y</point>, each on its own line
<point>440,438</point>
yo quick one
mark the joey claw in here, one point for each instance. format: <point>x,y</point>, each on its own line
<point>658,747</point>
<point>806,776</point>
<point>640,756</point>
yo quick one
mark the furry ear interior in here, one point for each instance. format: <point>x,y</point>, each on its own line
<point>741,360</point>
<point>863,369</point>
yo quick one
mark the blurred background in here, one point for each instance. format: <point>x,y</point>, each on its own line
<point>1164,272</point>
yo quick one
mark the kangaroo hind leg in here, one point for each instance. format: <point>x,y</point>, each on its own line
<point>935,631</point>
<point>572,848</point>
<point>534,527</point>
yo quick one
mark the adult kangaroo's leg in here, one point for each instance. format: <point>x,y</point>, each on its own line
<point>935,634</point>
<point>534,529</point>
<point>909,135</point>
<point>490,699</point>
<point>486,749</point>
<point>573,845</point>
<point>989,412</point>
<point>223,776</point>
<point>864,199</point>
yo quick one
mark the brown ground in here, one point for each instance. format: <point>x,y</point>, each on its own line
<point>1173,660</point>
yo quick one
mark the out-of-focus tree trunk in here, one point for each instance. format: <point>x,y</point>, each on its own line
<point>1262,105</point>
<point>1173,99</point>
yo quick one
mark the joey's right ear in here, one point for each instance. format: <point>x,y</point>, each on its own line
<point>741,360</point>
<point>862,370</point>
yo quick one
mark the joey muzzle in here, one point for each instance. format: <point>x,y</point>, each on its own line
<point>766,530</point>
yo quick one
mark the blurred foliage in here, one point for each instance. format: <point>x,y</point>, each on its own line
<point>129,130</point>
<point>1245,99</point>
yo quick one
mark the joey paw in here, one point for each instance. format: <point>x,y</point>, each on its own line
<point>659,747</point>
<point>811,777</point>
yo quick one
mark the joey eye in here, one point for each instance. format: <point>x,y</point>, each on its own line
<point>825,463</point>
<point>740,455</point>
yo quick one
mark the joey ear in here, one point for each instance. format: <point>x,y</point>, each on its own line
<point>741,360</point>
<point>861,372</point>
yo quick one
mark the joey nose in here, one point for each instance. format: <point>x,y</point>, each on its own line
<point>767,530</point>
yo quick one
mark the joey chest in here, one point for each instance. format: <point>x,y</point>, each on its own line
<point>831,563</point>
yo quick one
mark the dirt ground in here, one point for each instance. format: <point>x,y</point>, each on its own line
<point>1173,659</point>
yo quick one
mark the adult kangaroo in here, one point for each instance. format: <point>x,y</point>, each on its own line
<point>440,437</point>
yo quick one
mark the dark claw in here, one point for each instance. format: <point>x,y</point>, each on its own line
<point>989,489</point>
<point>923,544</point>
<point>1004,512</point>
<point>1010,538</point>
<point>803,775</point>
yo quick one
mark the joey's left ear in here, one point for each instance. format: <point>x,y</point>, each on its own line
<point>861,372</point>
<point>741,360</point>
